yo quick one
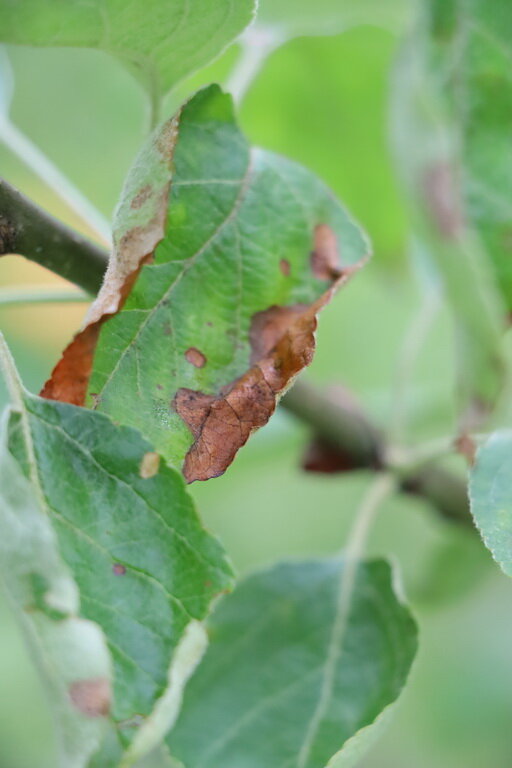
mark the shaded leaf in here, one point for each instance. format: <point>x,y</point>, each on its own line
<point>145,568</point>
<point>452,138</point>
<point>69,651</point>
<point>299,661</point>
<point>160,41</point>
<point>223,313</point>
<point>490,494</point>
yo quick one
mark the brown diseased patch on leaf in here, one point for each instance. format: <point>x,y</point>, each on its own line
<point>70,377</point>
<point>282,341</point>
<point>91,697</point>
<point>132,249</point>
<point>118,569</point>
<point>195,357</point>
<point>325,257</point>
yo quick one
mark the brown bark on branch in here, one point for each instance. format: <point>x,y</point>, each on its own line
<point>27,230</point>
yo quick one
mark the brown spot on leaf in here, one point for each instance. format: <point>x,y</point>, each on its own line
<point>118,569</point>
<point>441,194</point>
<point>325,259</point>
<point>142,195</point>
<point>284,266</point>
<point>91,697</point>
<point>149,465</point>
<point>132,249</point>
<point>167,329</point>
<point>283,342</point>
<point>195,357</point>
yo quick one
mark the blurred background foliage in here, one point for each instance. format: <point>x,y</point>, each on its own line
<point>324,102</point>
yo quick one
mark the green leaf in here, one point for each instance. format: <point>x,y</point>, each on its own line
<point>146,570</point>
<point>239,257</point>
<point>451,146</point>
<point>69,651</point>
<point>161,41</point>
<point>299,661</point>
<point>490,494</point>
<point>293,18</point>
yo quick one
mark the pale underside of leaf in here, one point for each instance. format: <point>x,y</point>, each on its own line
<point>69,652</point>
<point>144,566</point>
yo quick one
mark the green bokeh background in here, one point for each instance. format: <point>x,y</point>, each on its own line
<point>322,101</point>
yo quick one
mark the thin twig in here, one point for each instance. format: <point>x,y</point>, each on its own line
<point>382,487</point>
<point>27,230</point>
<point>48,172</point>
<point>37,294</point>
<point>353,435</point>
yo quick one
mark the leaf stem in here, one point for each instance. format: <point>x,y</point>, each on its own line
<point>382,487</point>
<point>256,45</point>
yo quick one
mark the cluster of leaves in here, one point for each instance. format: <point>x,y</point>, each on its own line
<point>223,255</point>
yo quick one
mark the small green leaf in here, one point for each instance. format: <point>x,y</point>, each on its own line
<point>293,18</point>
<point>490,494</point>
<point>146,570</point>
<point>448,147</point>
<point>69,651</point>
<point>161,41</point>
<point>298,663</point>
